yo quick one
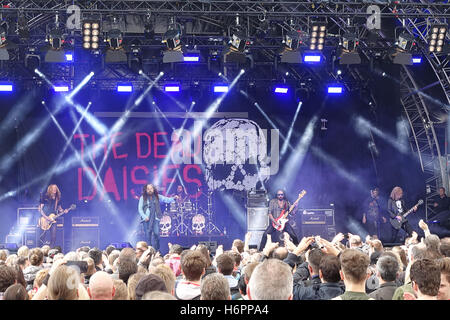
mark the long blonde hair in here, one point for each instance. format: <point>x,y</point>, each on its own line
<point>58,193</point>
<point>396,193</point>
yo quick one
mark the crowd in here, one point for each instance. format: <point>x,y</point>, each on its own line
<point>346,268</point>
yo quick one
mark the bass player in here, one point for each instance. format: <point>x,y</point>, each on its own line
<point>277,207</point>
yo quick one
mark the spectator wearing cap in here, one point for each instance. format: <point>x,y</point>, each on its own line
<point>150,282</point>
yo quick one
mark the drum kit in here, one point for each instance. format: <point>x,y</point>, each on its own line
<point>183,218</point>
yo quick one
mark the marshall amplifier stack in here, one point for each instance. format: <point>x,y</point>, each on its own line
<point>317,222</point>
<point>257,215</point>
<point>85,232</point>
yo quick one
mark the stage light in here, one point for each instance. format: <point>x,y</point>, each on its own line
<point>317,35</point>
<point>61,88</point>
<point>191,58</point>
<point>115,52</point>
<point>290,52</point>
<point>6,87</point>
<point>69,57</point>
<point>91,34</point>
<point>335,89</point>
<point>436,38</point>
<point>221,88</point>
<point>56,38</point>
<point>405,41</point>
<point>237,46</point>
<point>417,60</point>
<point>172,88</point>
<point>173,42</point>
<point>405,44</point>
<point>124,88</point>
<point>349,54</point>
<point>312,57</point>
<point>281,90</point>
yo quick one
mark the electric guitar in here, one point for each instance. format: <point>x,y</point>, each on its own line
<point>397,224</point>
<point>282,219</point>
<point>44,224</point>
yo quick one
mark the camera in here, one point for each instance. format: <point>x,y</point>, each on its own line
<point>81,265</point>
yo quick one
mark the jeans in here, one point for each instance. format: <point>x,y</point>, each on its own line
<point>43,236</point>
<point>151,231</point>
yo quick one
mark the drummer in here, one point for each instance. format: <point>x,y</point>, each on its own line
<point>182,195</point>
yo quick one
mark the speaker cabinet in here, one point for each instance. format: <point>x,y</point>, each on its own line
<point>31,237</point>
<point>257,218</point>
<point>85,232</point>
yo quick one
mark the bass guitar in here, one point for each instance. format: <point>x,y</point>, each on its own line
<point>282,219</point>
<point>45,224</point>
<point>397,224</point>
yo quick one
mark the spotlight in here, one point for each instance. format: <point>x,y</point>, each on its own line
<point>91,34</point>
<point>281,90</point>
<point>173,42</point>
<point>115,53</point>
<point>32,59</point>
<point>61,88</point>
<point>417,60</point>
<point>406,42</point>
<point>317,35</point>
<point>436,38</point>
<point>312,57</point>
<point>56,52</point>
<point>349,54</point>
<point>335,89</point>
<point>124,88</point>
<point>220,88</point>
<point>237,45</point>
<point>6,87</point>
<point>114,39</point>
<point>172,88</point>
<point>56,38</point>
<point>290,52</point>
<point>69,57</point>
<point>192,56</point>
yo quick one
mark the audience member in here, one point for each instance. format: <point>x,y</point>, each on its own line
<point>193,265</point>
<point>16,292</point>
<point>354,264</point>
<point>444,289</point>
<point>150,282</point>
<point>215,287</point>
<point>133,280</point>
<point>271,280</point>
<point>165,273</point>
<point>120,290</point>
<point>101,286</point>
<point>425,279</point>
<point>158,295</point>
<point>387,270</point>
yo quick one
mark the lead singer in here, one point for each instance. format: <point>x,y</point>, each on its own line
<point>150,212</point>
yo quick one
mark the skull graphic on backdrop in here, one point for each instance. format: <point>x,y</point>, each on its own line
<point>235,154</point>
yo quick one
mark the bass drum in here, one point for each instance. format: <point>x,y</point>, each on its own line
<point>198,224</point>
<point>165,225</point>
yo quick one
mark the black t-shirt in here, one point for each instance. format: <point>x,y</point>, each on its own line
<point>443,204</point>
<point>49,204</point>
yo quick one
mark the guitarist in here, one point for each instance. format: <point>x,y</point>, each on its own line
<point>396,209</point>
<point>50,202</point>
<point>276,208</point>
